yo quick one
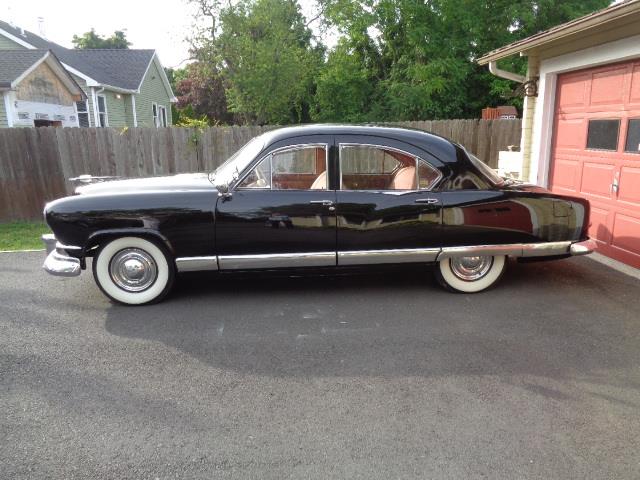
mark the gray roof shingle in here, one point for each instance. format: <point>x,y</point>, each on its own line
<point>121,68</point>
<point>14,63</point>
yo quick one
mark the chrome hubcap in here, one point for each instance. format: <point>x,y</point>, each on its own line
<point>471,268</point>
<point>133,270</point>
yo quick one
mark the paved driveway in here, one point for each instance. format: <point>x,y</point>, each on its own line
<point>360,377</point>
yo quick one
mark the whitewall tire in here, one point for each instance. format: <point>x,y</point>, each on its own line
<point>470,274</point>
<point>133,271</point>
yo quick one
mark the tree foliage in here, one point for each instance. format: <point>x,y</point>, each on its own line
<point>260,56</point>
<point>91,40</point>
<point>394,60</point>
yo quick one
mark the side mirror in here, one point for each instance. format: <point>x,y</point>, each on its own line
<point>223,190</point>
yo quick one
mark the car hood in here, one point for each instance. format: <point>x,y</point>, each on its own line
<point>184,181</point>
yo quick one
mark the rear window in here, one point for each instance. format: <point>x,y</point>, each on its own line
<point>485,169</point>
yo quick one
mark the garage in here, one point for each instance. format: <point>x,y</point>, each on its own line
<point>581,118</point>
<point>596,152</point>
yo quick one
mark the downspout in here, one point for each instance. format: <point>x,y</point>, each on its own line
<point>94,95</point>
<point>493,68</point>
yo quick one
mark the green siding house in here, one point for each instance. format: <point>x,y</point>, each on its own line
<point>123,87</point>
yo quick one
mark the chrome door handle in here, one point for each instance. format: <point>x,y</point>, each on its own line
<point>326,203</point>
<point>428,201</point>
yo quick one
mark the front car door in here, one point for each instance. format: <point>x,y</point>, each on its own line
<point>281,212</point>
<point>387,211</point>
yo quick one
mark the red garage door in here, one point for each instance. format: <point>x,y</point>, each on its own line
<point>596,152</point>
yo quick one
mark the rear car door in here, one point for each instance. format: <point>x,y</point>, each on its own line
<point>386,209</point>
<point>281,213</point>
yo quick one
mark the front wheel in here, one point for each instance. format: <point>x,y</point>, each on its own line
<point>470,274</point>
<point>133,271</point>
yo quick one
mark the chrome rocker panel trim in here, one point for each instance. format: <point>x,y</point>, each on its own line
<point>277,260</point>
<point>583,248</point>
<point>374,257</point>
<point>514,250</point>
<point>59,263</point>
<point>196,264</point>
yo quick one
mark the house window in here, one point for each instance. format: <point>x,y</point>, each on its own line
<point>159,115</point>
<point>632,145</point>
<point>82,109</point>
<point>603,134</point>
<point>102,111</point>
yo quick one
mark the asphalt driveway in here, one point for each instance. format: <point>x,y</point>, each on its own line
<point>377,376</point>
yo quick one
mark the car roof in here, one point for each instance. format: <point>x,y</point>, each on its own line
<point>440,147</point>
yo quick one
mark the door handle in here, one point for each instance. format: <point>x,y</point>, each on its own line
<point>428,201</point>
<point>615,186</point>
<point>326,203</point>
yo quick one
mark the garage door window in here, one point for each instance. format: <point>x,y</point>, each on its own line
<point>603,134</point>
<point>632,144</point>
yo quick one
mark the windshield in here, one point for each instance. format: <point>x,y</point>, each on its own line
<point>485,169</point>
<point>237,162</point>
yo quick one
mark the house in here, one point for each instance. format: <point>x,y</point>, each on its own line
<point>123,87</point>
<point>36,90</point>
<point>581,118</point>
<point>504,112</point>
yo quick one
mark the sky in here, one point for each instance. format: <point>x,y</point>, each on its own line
<point>161,24</point>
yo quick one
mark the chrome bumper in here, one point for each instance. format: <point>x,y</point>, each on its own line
<point>58,261</point>
<point>583,248</point>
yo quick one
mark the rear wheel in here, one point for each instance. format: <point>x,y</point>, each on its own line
<point>133,271</point>
<point>470,274</point>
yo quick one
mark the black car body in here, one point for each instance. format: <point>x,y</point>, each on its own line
<point>321,196</point>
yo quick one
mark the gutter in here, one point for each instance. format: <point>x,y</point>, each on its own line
<point>493,68</point>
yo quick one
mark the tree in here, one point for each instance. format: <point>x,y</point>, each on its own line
<point>263,54</point>
<point>201,93</point>
<point>91,40</point>
<point>419,57</point>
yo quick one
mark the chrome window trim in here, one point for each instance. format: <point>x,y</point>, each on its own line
<point>373,257</point>
<point>393,149</point>
<point>277,260</point>
<point>196,264</point>
<point>299,146</point>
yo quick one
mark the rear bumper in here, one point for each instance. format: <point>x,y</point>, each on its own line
<point>583,248</point>
<point>58,261</point>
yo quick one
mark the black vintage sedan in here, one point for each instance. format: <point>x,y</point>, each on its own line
<point>324,197</point>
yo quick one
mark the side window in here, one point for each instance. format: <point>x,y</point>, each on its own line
<point>370,167</point>
<point>297,168</point>
<point>260,176</point>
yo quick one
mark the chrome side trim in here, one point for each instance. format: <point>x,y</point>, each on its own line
<point>195,264</point>
<point>372,257</point>
<point>61,265</point>
<point>583,248</point>
<point>277,260</point>
<point>541,249</point>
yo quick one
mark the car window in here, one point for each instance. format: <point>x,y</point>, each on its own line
<point>295,168</point>
<point>371,167</point>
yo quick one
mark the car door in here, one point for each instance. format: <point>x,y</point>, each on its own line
<point>281,212</point>
<point>386,209</point>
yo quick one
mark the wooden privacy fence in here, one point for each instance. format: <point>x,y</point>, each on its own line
<point>36,163</point>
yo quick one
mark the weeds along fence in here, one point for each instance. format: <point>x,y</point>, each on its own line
<point>36,163</point>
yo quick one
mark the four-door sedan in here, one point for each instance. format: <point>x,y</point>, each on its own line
<point>323,197</point>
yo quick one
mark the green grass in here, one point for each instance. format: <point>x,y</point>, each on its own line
<point>22,235</point>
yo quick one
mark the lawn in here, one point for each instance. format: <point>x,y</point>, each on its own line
<point>22,235</point>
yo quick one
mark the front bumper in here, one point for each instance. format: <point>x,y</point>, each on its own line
<point>583,248</point>
<point>58,261</point>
